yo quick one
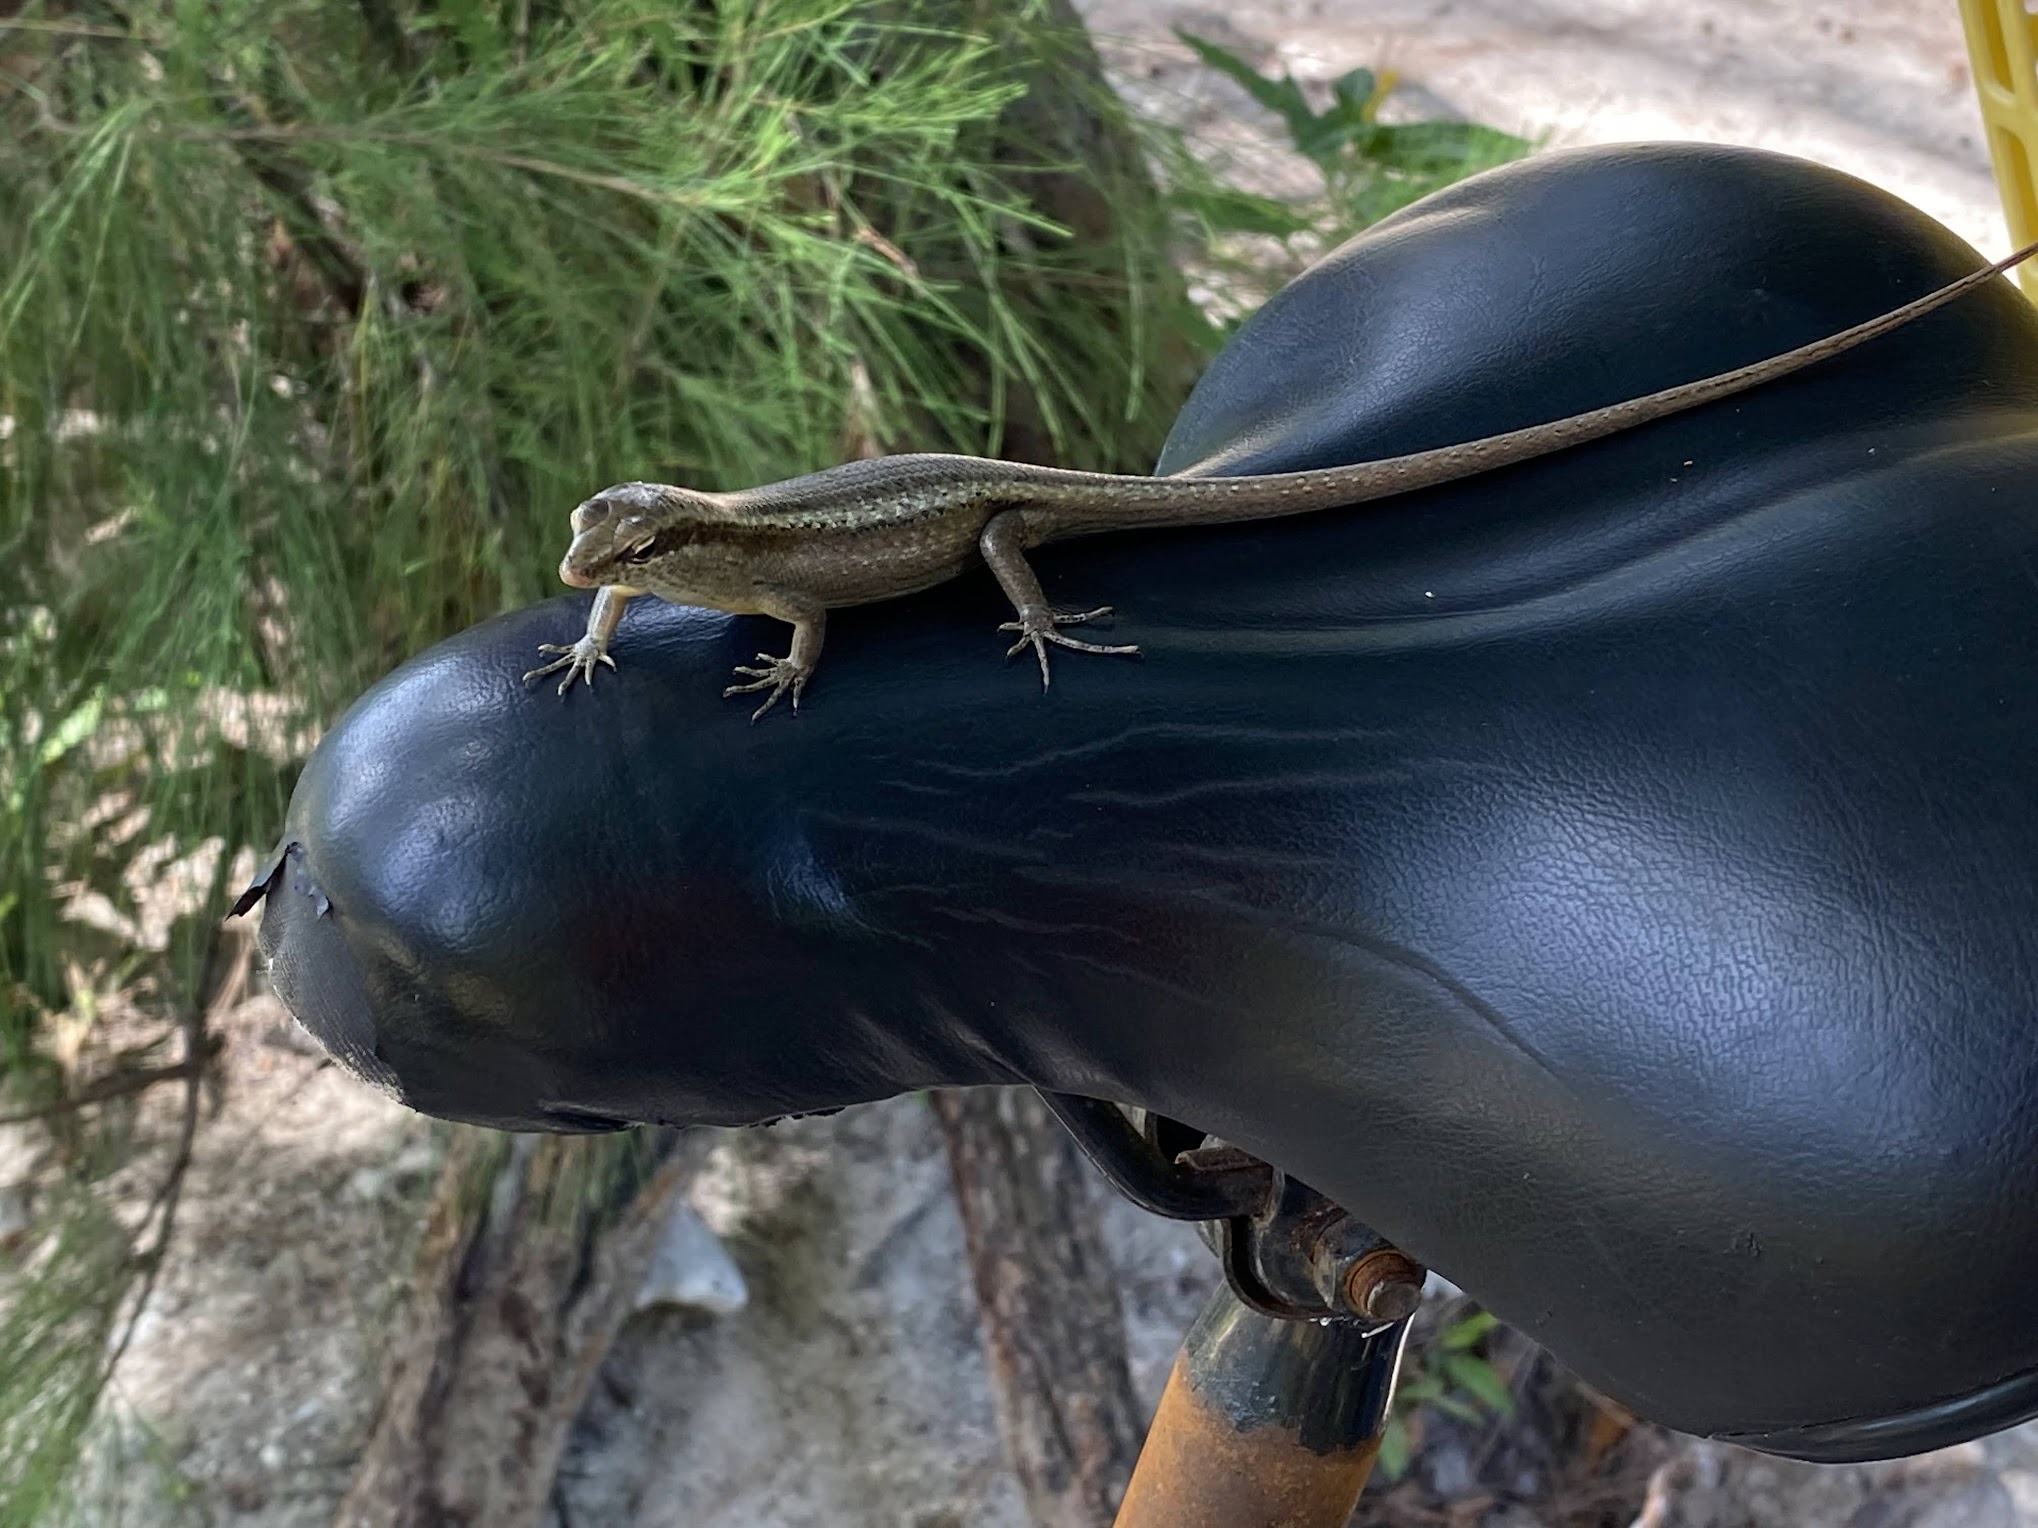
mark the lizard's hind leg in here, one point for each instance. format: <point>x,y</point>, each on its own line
<point>1003,544</point>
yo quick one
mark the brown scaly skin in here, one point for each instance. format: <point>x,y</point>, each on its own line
<point>892,526</point>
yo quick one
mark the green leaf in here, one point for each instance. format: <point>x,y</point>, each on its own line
<point>1419,147</point>
<point>1464,1334</point>
<point>1464,1411</point>
<point>1282,96</point>
<point>1324,138</point>
<point>73,729</point>
<point>1393,1458</point>
<point>1228,210</point>
<point>1356,90</point>
<point>1420,1391</point>
<point>1479,1379</point>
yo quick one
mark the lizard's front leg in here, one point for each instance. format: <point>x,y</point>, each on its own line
<point>809,618</point>
<point>1003,544</point>
<point>593,647</point>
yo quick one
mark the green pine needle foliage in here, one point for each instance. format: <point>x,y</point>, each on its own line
<point>315,319</point>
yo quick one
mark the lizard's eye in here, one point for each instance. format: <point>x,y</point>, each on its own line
<point>639,541</point>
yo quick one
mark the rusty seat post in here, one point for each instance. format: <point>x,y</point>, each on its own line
<point>1266,1422</point>
<point>1273,1415</point>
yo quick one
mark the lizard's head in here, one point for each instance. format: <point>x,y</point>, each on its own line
<point>622,528</point>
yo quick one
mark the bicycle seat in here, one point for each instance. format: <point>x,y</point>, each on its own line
<point>1615,878</point>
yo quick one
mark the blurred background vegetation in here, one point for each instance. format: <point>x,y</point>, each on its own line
<point>316,317</point>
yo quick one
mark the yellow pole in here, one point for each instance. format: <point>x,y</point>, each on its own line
<point>2002,46</point>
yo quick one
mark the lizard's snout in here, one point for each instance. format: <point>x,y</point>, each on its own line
<point>586,516</point>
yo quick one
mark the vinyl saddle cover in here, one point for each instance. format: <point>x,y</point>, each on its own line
<point>1615,878</point>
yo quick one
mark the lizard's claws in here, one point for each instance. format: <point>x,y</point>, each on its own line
<point>778,675</point>
<point>579,661</point>
<point>1036,628</point>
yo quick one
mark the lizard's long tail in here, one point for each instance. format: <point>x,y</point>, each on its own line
<point>1137,501</point>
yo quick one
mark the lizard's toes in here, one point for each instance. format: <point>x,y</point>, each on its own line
<point>1059,640</point>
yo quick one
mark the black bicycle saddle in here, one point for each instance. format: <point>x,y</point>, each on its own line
<point>1614,878</point>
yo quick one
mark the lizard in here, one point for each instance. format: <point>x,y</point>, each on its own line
<point>890,526</point>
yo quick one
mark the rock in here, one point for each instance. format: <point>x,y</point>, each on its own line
<point>1980,1502</point>
<point>1712,1485</point>
<point>16,1214</point>
<point>1449,1470</point>
<point>691,1268</point>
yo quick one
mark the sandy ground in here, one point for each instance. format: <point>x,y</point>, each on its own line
<point>249,1385</point>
